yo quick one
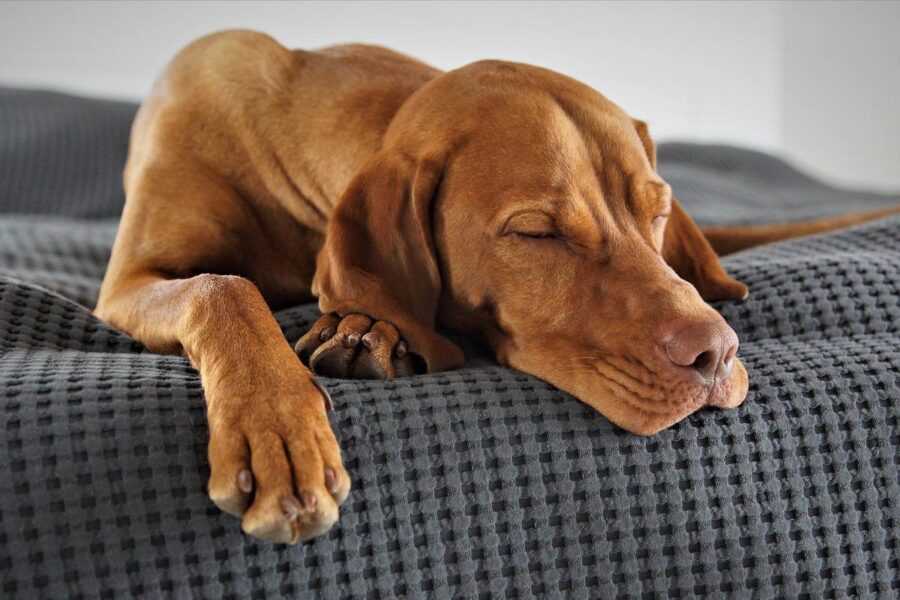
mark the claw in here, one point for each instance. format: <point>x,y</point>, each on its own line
<point>327,333</point>
<point>291,507</point>
<point>245,481</point>
<point>309,501</point>
<point>329,403</point>
<point>370,340</point>
<point>331,481</point>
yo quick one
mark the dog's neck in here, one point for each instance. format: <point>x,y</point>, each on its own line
<point>322,150</point>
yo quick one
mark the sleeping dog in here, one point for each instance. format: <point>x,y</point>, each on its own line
<point>507,202</point>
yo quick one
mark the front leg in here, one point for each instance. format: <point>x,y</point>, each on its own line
<point>356,346</point>
<point>274,460</point>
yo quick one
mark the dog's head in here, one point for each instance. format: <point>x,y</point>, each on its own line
<point>521,207</point>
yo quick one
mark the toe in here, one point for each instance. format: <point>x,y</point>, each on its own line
<point>335,478</point>
<point>230,480</point>
<point>337,482</point>
<point>375,359</point>
<point>266,518</point>
<point>383,355</point>
<point>320,508</point>
<point>369,365</point>
<point>322,330</point>
<point>335,357</point>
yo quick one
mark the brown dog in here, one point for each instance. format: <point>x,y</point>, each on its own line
<point>480,198</point>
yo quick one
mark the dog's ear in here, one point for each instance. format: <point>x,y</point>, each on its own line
<point>646,141</point>
<point>687,250</point>
<point>379,255</point>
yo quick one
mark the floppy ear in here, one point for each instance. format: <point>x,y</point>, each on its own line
<point>379,256</point>
<point>687,250</point>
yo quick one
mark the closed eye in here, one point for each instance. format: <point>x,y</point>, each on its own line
<point>531,225</point>
<point>538,235</point>
<point>542,240</point>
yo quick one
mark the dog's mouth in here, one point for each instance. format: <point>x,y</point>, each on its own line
<point>640,398</point>
<point>658,390</point>
<point>645,401</point>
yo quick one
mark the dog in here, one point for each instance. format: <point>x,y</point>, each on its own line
<point>507,202</point>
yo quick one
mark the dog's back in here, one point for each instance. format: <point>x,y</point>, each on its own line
<point>242,150</point>
<point>286,126</point>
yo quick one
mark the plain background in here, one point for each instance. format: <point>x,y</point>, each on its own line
<point>816,82</point>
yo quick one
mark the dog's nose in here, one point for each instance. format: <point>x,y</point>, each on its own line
<point>705,347</point>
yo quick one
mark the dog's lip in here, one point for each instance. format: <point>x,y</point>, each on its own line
<point>716,393</point>
<point>644,421</point>
<point>719,384</point>
<point>685,408</point>
<point>690,404</point>
<point>649,413</point>
<point>667,388</point>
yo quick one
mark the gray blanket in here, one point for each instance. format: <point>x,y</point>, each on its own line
<point>482,482</point>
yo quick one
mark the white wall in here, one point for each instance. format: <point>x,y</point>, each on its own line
<point>841,115</point>
<point>817,81</point>
<point>669,63</point>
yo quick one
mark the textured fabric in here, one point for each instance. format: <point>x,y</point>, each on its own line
<point>481,482</point>
<point>62,154</point>
<point>724,185</point>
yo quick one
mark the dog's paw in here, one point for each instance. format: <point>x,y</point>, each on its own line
<point>275,462</point>
<point>355,347</point>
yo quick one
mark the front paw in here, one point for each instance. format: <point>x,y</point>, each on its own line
<point>275,462</point>
<point>355,347</point>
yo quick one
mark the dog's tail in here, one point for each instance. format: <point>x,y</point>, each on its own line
<point>727,240</point>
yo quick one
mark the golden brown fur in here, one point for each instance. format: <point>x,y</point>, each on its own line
<point>505,201</point>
